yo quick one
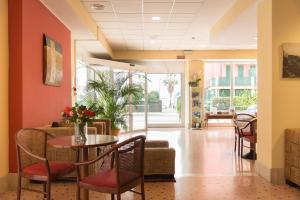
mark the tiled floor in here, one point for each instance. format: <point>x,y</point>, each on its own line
<point>206,168</point>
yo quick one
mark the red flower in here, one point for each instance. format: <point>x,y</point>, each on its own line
<point>67,109</point>
<point>89,113</point>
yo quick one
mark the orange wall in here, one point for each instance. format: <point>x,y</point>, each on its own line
<point>3,94</point>
<point>32,103</point>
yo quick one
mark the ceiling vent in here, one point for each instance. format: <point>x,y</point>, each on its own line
<point>97,6</point>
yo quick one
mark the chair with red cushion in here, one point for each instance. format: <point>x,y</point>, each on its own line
<point>250,136</point>
<point>240,120</point>
<point>125,170</point>
<point>33,163</point>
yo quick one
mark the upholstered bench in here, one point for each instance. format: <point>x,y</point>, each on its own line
<point>159,163</point>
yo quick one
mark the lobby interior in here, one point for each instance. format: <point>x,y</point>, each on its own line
<point>238,41</point>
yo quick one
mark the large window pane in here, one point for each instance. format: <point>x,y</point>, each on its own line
<point>138,110</point>
<point>217,87</point>
<point>230,86</point>
<point>118,74</point>
<point>244,88</point>
<point>164,98</point>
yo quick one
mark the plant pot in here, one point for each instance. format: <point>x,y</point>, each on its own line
<point>115,132</point>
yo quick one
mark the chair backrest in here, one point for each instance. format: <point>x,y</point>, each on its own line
<point>242,119</point>
<point>129,158</point>
<point>25,140</point>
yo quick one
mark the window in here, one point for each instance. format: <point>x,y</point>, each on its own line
<point>230,86</point>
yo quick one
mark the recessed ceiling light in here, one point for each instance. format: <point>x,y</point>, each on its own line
<point>97,6</point>
<point>155,18</point>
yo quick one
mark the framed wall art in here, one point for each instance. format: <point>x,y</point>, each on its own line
<point>53,62</point>
<point>291,60</point>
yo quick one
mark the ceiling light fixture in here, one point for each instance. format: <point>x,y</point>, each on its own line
<point>97,6</point>
<point>155,18</point>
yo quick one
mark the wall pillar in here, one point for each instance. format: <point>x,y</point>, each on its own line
<point>278,98</point>
<point>4,95</point>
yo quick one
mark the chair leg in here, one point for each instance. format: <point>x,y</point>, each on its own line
<point>19,187</point>
<point>118,196</point>
<point>239,145</point>
<point>45,190</point>
<point>48,190</point>
<point>143,190</point>
<point>235,143</point>
<point>77,192</point>
<point>242,145</point>
<point>112,196</point>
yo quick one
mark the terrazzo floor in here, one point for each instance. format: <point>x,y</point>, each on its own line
<point>206,168</point>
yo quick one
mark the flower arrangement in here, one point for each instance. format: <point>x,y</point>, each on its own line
<point>78,115</point>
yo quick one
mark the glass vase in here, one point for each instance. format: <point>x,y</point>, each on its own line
<point>81,132</point>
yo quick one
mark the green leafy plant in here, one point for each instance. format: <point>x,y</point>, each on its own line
<point>153,96</point>
<point>244,100</point>
<point>111,98</point>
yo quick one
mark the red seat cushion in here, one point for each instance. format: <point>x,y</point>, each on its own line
<point>56,168</point>
<point>108,178</point>
<point>246,134</point>
<point>250,138</point>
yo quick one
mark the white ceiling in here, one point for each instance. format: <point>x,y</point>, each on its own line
<point>127,24</point>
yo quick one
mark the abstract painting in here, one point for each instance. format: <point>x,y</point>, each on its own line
<point>53,62</point>
<point>291,60</point>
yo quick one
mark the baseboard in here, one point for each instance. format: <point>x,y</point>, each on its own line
<point>272,175</point>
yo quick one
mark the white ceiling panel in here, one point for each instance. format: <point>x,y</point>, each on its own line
<point>179,25</point>
<point>163,17</point>
<point>128,6</point>
<point>130,17</point>
<point>186,7</point>
<point>132,32</point>
<point>183,24</point>
<point>151,26</point>
<point>103,17</point>
<point>157,7</point>
<point>182,18</point>
<point>131,25</point>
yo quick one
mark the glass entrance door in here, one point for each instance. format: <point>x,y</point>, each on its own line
<point>164,99</point>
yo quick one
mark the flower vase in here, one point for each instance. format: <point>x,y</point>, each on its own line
<point>81,132</point>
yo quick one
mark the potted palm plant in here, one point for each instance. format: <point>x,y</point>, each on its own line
<point>111,99</point>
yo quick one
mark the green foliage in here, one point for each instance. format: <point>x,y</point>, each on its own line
<point>244,100</point>
<point>153,96</point>
<point>178,105</point>
<point>222,103</point>
<point>111,99</point>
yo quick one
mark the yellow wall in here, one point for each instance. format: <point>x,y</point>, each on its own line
<point>264,59</point>
<point>278,104</point>
<point>286,94</point>
<point>3,94</point>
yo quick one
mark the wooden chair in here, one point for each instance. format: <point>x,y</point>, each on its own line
<point>250,136</point>
<point>239,121</point>
<point>33,163</point>
<point>125,170</point>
